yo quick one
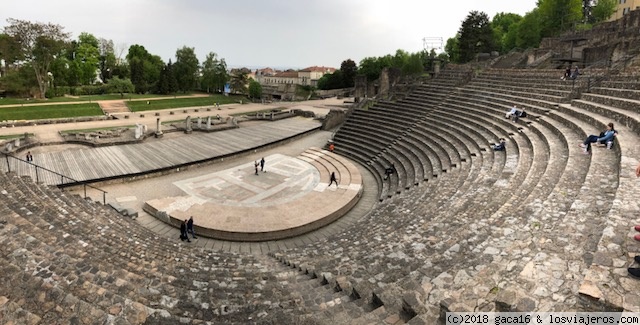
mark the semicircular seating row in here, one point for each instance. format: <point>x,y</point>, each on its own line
<point>458,240</point>
<point>496,226</point>
<point>64,259</point>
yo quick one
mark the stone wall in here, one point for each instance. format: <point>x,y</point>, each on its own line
<point>334,118</point>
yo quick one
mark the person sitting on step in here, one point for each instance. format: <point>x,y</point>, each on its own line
<point>501,145</point>
<point>512,112</point>
<point>389,171</point>
<point>605,137</point>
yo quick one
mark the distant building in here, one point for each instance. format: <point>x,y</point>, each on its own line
<point>311,75</point>
<point>305,77</point>
<point>624,7</point>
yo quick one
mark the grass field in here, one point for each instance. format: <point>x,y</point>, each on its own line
<point>49,111</point>
<point>138,106</point>
<point>16,101</point>
<point>14,136</point>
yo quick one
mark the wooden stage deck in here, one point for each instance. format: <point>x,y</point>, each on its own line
<point>103,163</point>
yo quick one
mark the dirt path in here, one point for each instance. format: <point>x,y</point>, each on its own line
<point>48,133</point>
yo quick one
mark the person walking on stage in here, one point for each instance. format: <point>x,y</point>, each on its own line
<point>333,179</point>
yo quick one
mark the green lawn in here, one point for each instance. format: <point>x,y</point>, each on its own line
<point>14,136</point>
<point>85,98</point>
<point>137,106</point>
<point>49,111</point>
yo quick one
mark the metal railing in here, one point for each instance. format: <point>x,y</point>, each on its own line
<point>70,181</point>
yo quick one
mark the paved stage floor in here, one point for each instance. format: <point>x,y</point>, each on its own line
<point>288,198</point>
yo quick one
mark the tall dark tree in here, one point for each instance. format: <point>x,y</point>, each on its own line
<point>349,70</point>
<point>476,36</point>
<point>255,89</point>
<point>186,67</point>
<point>39,44</point>
<point>9,52</point>
<point>107,59</point>
<point>214,73</point>
<point>145,68</point>
<point>239,82</point>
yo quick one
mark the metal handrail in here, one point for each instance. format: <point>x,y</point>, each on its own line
<point>62,177</point>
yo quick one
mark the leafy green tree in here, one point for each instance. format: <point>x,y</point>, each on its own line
<point>87,56</point>
<point>121,86</point>
<point>452,49</point>
<point>167,83</point>
<point>349,70</point>
<point>19,81</point>
<point>186,68</point>
<point>239,82</point>
<point>331,81</point>
<point>372,67</point>
<point>414,64</point>
<point>145,68</point>
<point>9,51</point>
<point>557,16</point>
<point>214,73</point>
<point>504,27</point>
<point>39,45</point>
<point>602,11</point>
<point>528,32</point>
<point>476,36</point>
<point>400,59</point>
<point>107,60</point>
<point>255,89</point>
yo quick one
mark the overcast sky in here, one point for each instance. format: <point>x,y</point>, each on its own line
<point>261,33</point>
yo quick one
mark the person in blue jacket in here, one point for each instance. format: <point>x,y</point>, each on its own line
<point>604,137</point>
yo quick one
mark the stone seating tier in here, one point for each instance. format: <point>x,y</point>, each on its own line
<point>154,264</point>
<point>411,166</point>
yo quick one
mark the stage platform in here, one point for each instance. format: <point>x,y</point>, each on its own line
<point>291,197</point>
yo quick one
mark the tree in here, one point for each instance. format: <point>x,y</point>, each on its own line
<point>87,57</point>
<point>239,82</point>
<point>414,65</point>
<point>557,16</point>
<point>504,26</point>
<point>186,68</point>
<point>452,49</point>
<point>255,89</point>
<point>476,36</point>
<point>214,73</point>
<point>349,70</point>
<point>121,86</point>
<point>602,11</point>
<point>39,44</point>
<point>9,52</point>
<point>331,81</point>
<point>107,59</point>
<point>529,30</point>
<point>145,68</point>
<point>167,83</point>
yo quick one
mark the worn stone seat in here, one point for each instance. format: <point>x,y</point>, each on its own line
<point>170,264</point>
